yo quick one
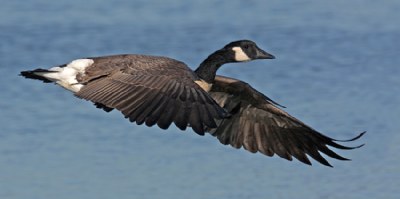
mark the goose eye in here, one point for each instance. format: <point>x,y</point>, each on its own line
<point>246,46</point>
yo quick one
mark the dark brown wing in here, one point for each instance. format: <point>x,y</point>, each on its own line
<point>150,90</point>
<point>258,125</point>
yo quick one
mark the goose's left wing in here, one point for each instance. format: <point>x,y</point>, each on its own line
<point>259,125</point>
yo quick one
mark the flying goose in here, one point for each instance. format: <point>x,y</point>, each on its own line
<point>160,90</point>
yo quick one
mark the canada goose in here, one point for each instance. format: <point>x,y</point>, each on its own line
<point>160,90</point>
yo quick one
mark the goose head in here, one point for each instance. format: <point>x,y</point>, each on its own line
<point>237,51</point>
<point>246,50</point>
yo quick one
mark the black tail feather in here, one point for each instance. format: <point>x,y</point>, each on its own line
<point>31,74</point>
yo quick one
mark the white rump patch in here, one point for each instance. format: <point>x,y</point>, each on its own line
<point>240,55</point>
<point>204,85</point>
<point>66,76</point>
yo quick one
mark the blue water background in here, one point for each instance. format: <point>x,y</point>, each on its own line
<point>337,69</point>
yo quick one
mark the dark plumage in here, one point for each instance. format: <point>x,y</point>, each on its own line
<point>159,90</point>
<point>260,126</point>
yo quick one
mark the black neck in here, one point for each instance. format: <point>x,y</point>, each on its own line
<point>208,68</point>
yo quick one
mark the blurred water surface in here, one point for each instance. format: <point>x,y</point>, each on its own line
<point>337,69</point>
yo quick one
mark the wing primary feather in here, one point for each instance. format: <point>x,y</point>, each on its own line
<point>352,139</point>
<point>118,94</point>
<point>293,146</point>
<point>93,90</point>
<point>311,149</point>
<point>141,112</point>
<point>206,117</point>
<point>330,153</point>
<point>273,140</point>
<point>213,111</point>
<point>185,94</point>
<point>267,141</point>
<point>173,105</point>
<point>155,115</point>
<point>152,100</point>
<point>91,87</point>
<point>181,117</point>
<point>166,117</point>
<point>102,106</point>
<point>182,114</point>
<point>104,93</point>
<point>259,137</point>
<point>195,120</point>
<point>225,135</point>
<point>234,132</point>
<point>132,103</point>
<point>131,95</point>
<point>175,91</point>
<point>329,141</point>
<point>316,156</point>
<point>298,149</point>
<point>152,107</point>
<point>112,97</point>
<point>221,132</point>
<point>249,142</point>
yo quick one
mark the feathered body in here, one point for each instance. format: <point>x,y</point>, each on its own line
<point>160,90</point>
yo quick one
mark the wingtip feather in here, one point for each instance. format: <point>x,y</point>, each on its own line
<point>352,139</point>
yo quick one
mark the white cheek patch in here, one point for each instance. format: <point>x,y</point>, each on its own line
<point>240,55</point>
<point>66,76</point>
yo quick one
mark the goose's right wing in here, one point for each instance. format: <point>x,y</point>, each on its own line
<point>259,125</point>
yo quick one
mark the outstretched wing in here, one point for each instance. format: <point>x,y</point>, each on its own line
<point>150,90</point>
<point>259,125</point>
